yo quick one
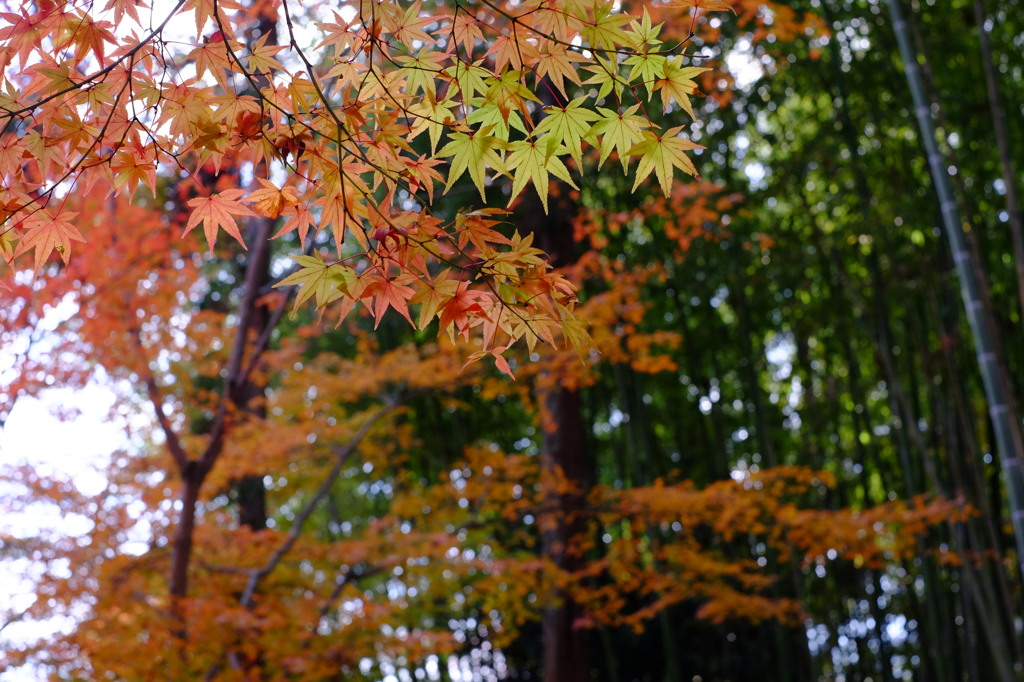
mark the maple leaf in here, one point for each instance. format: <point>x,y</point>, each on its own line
<point>496,115</point>
<point>644,33</point>
<point>557,64</point>
<point>261,56</point>
<point>708,5</point>
<point>215,212</point>
<point>521,254</point>
<point>422,175</point>
<point>648,67</point>
<point>475,152</point>
<point>20,36</point>
<point>532,160</point>
<point>676,82</point>
<point>319,280</point>
<point>470,78</point>
<point>457,310</point>
<point>568,125</point>
<point>606,74</point>
<point>48,233</point>
<point>408,26</point>
<point>605,32</point>
<point>618,131</point>
<point>474,227</point>
<point>299,218</point>
<point>270,200</point>
<point>421,71</point>
<point>212,57</point>
<point>432,115</point>
<point>7,245</point>
<point>340,204</point>
<point>384,292</point>
<point>431,296</point>
<point>663,154</point>
<point>132,165</point>
<point>499,360</point>
<point>122,7</point>
<point>508,51</point>
<point>87,34</point>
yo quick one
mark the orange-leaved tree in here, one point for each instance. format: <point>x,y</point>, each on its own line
<point>326,112</point>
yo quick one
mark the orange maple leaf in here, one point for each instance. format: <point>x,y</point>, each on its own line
<point>456,312</point>
<point>384,292</point>
<point>47,234</point>
<point>270,200</point>
<point>215,211</point>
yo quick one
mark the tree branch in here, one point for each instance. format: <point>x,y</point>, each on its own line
<point>342,454</point>
<point>234,378</point>
<point>173,442</point>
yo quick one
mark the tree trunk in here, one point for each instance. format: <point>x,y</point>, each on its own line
<point>565,646</point>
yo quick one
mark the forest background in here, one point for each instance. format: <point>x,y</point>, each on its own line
<point>762,446</point>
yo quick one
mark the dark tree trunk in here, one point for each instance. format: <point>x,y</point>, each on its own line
<point>565,646</point>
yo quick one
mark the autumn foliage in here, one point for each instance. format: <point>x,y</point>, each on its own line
<point>366,144</point>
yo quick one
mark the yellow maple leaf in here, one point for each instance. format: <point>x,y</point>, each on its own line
<point>663,154</point>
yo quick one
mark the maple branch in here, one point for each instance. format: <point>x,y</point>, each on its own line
<point>341,456</point>
<point>43,197</point>
<point>173,442</point>
<point>347,578</point>
<point>516,21</point>
<point>15,618</point>
<point>234,378</point>
<point>178,454</point>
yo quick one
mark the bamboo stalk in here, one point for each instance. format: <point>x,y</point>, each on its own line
<point>1007,435</point>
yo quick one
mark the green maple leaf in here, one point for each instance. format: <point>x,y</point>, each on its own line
<point>644,33</point>
<point>606,75</point>
<point>568,125</point>
<point>497,115</point>
<point>421,71</point>
<point>663,154</point>
<point>432,115</point>
<point>676,82</point>
<point>533,160</point>
<point>605,32</point>
<point>649,67</point>
<point>316,279</point>
<point>470,78</point>
<point>474,152</point>
<point>619,131</point>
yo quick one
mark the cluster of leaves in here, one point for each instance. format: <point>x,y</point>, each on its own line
<point>389,586</point>
<point>337,111</point>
